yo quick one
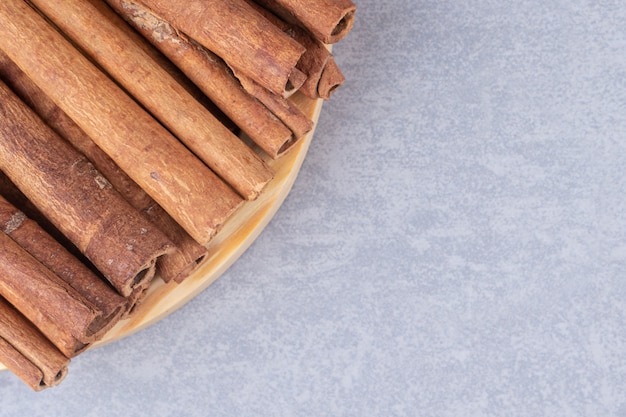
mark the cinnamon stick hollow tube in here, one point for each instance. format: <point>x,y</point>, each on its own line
<point>123,57</point>
<point>26,351</point>
<point>240,36</point>
<point>81,203</point>
<point>175,265</point>
<point>178,181</point>
<point>43,247</point>
<point>59,311</point>
<point>212,76</point>
<point>317,62</point>
<point>327,20</point>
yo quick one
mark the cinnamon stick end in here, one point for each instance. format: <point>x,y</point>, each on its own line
<point>342,28</point>
<point>295,81</point>
<point>332,78</point>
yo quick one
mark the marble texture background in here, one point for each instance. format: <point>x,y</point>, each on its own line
<point>455,244</point>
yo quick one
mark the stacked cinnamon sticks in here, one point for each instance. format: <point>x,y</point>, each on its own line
<point>121,151</point>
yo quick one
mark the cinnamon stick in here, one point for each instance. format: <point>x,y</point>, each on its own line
<point>318,63</point>
<point>172,266</point>
<point>330,79</point>
<point>43,247</point>
<point>149,154</point>
<point>284,109</point>
<point>26,351</point>
<point>123,57</point>
<point>327,20</point>
<point>20,366</point>
<point>65,317</point>
<point>81,203</point>
<point>212,76</point>
<point>240,36</point>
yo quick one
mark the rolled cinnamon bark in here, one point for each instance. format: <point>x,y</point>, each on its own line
<point>240,36</point>
<point>327,20</point>
<point>317,62</point>
<point>123,57</point>
<point>26,351</point>
<point>192,194</point>
<point>212,76</point>
<point>172,266</point>
<point>43,247</point>
<point>331,79</point>
<point>20,366</point>
<point>284,109</point>
<point>81,203</point>
<point>59,311</point>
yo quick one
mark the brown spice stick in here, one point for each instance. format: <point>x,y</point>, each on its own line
<point>240,36</point>
<point>149,154</point>
<point>317,62</point>
<point>283,108</point>
<point>43,247</point>
<point>58,310</point>
<point>20,366</point>
<point>27,352</point>
<point>212,76</point>
<point>123,57</point>
<point>331,79</point>
<point>327,20</point>
<point>172,266</point>
<point>81,203</point>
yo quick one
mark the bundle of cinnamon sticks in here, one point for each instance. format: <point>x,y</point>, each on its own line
<point>130,132</point>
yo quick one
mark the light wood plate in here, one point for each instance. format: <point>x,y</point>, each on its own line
<point>228,245</point>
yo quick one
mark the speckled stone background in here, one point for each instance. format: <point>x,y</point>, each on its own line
<point>455,244</point>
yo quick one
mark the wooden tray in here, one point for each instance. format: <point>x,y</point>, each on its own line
<point>228,245</point>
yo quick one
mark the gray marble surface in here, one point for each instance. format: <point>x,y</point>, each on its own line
<point>454,245</point>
